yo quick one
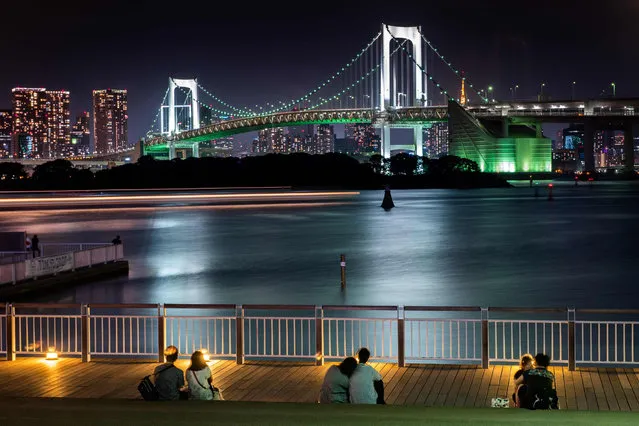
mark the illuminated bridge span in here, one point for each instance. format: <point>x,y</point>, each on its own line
<point>387,84</point>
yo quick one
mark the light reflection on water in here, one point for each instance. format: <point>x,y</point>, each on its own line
<point>485,247</point>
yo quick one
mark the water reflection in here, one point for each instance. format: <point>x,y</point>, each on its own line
<point>487,247</point>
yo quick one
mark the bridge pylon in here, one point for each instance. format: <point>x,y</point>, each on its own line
<point>193,106</point>
<point>412,34</point>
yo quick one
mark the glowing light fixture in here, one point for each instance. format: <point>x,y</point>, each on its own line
<point>51,354</point>
<point>206,354</point>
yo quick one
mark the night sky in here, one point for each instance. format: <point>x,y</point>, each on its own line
<point>252,53</point>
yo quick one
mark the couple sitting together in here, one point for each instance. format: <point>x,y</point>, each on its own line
<point>169,380</point>
<point>534,384</point>
<point>353,382</point>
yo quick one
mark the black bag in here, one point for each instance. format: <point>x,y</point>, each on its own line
<point>147,388</point>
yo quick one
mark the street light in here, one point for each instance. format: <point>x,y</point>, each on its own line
<point>573,90</point>
<point>367,96</point>
<point>541,90</point>
<point>614,89</point>
<point>516,87</point>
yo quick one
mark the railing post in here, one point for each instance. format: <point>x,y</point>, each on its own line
<point>86,333</point>
<point>73,267</point>
<point>13,273</point>
<point>161,332</point>
<point>319,335</point>
<point>484,338</point>
<point>91,263</point>
<point>401,346</point>
<point>571,339</point>
<point>239,334</point>
<point>11,333</point>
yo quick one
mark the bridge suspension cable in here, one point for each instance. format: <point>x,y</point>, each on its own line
<point>239,111</point>
<point>341,72</point>
<point>450,65</point>
<point>157,115</point>
<point>421,68</point>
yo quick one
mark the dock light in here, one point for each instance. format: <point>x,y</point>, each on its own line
<point>51,355</point>
<point>206,355</point>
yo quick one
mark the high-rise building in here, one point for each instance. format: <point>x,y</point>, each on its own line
<point>80,138</point>
<point>110,119</point>
<point>324,140</point>
<point>271,141</point>
<point>43,116</point>
<point>436,140</point>
<point>5,133</point>
<point>365,138</point>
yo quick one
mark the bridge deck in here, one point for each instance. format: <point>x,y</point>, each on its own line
<point>449,385</point>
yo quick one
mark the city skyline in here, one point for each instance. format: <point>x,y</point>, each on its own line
<point>511,50</point>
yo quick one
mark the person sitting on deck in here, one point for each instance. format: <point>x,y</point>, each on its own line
<point>540,386</point>
<point>116,240</point>
<point>335,386</point>
<point>199,378</point>
<point>169,379</point>
<point>365,385</point>
<point>525,363</point>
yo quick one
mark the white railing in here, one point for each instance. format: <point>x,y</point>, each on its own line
<point>36,334</point>
<point>8,257</point>
<point>459,335</point>
<point>344,336</point>
<point>512,338</point>
<point>51,249</point>
<point>51,265</point>
<point>456,340</point>
<point>278,337</point>
<point>192,333</point>
<point>123,335</point>
<point>606,342</point>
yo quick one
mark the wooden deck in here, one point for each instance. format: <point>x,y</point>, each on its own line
<point>429,385</point>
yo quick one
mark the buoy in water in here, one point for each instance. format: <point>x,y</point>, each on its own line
<point>387,203</point>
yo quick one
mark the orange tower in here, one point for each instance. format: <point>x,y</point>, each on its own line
<point>462,97</point>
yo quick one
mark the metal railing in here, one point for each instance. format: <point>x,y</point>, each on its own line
<point>458,335</point>
<point>51,249</point>
<point>64,261</point>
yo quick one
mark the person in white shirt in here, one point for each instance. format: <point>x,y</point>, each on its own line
<point>365,384</point>
<point>199,378</point>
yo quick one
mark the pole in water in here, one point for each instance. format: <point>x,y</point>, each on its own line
<point>387,203</point>
<point>342,267</point>
<point>550,192</point>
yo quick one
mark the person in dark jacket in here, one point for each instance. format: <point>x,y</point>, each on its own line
<point>35,245</point>
<point>169,379</point>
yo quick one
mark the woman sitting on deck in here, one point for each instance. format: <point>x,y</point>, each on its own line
<point>199,378</point>
<point>525,363</point>
<point>335,386</point>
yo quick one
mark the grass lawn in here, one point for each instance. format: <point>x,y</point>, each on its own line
<point>98,412</point>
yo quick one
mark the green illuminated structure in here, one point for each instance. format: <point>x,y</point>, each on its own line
<point>497,146</point>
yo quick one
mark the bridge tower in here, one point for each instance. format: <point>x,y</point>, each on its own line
<point>193,110</point>
<point>390,100</point>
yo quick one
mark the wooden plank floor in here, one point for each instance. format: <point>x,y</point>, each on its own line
<point>430,385</point>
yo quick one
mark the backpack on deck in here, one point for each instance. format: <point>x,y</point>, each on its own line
<point>147,388</point>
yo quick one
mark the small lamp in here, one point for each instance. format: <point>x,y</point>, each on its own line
<point>51,354</point>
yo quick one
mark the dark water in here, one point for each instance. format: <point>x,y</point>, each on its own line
<point>498,247</point>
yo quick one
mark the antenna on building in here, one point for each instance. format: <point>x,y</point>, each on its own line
<point>462,97</point>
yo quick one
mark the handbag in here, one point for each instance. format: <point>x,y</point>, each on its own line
<point>147,388</point>
<point>217,394</point>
